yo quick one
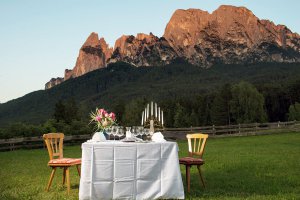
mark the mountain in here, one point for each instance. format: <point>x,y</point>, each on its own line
<point>229,35</point>
<point>120,82</point>
<point>93,55</point>
<point>143,50</point>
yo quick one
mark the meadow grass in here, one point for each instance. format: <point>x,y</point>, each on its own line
<point>252,167</point>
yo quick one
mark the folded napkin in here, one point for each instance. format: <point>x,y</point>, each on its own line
<point>98,136</point>
<point>158,137</point>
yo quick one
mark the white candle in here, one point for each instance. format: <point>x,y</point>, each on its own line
<point>145,117</point>
<point>142,118</point>
<point>148,110</point>
<point>151,108</point>
<point>158,113</point>
<point>162,118</point>
<point>155,110</point>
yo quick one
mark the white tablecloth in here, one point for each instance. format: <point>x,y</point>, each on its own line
<point>119,170</point>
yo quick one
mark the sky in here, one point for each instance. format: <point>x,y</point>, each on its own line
<point>40,39</point>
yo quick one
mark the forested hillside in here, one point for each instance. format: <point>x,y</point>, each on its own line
<point>197,96</point>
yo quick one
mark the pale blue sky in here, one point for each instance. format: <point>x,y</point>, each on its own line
<point>40,39</point>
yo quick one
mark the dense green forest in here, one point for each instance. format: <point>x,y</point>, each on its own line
<point>189,96</point>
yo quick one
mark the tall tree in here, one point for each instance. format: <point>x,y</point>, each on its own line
<point>194,120</point>
<point>220,112</point>
<point>59,111</point>
<point>168,106</point>
<point>182,116</point>
<point>204,109</point>
<point>133,112</point>
<point>277,102</point>
<point>294,112</point>
<point>179,117</point>
<point>72,112</point>
<point>247,104</point>
<point>66,111</point>
<point>119,109</point>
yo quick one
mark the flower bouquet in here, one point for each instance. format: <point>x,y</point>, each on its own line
<point>103,120</point>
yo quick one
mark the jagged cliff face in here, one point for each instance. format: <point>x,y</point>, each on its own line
<point>143,50</point>
<point>228,35</point>
<point>53,82</point>
<point>93,55</point>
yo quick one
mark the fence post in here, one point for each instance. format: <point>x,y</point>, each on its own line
<point>11,146</point>
<point>213,129</point>
<point>278,125</point>
<point>256,127</point>
<point>239,128</point>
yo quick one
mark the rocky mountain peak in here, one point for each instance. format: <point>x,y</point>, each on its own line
<point>92,55</point>
<point>92,40</point>
<point>228,35</point>
<point>146,38</point>
<point>106,49</point>
<point>54,82</point>
<point>143,50</point>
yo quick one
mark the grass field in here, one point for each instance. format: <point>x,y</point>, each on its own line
<point>252,167</point>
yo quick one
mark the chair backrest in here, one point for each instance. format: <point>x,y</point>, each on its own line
<point>196,148</point>
<point>54,143</point>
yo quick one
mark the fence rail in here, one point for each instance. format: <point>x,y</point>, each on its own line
<point>37,142</point>
<point>171,133</point>
<point>234,130</point>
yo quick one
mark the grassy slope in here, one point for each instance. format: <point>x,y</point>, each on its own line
<point>254,167</point>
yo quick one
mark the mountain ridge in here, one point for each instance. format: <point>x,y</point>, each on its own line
<point>228,35</point>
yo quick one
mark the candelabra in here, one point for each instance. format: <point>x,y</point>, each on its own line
<point>153,117</point>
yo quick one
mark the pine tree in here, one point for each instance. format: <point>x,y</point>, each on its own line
<point>59,111</point>
<point>294,112</point>
<point>220,112</point>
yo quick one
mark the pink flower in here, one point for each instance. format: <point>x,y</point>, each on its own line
<point>101,111</point>
<point>112,116</point>
<point>98,118</point>
<point>106,115</point>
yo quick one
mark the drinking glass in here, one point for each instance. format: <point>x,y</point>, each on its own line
<point>114,131</point>
<point>108,131</point>
<point>135,131</point>
<point>147,133</point>
<point>140,130</point>
<point>120,132</point>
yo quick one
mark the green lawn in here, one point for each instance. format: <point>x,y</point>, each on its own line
<point>253,167</point>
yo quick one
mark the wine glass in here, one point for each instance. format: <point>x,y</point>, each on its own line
<point>120,132</point>
<point>147,133</point>
<point>108,131</point>
<point>114,131</point>
<point>135,131</point>
<point>140,130</point>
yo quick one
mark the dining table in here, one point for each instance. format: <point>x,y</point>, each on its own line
<point>130,170</point>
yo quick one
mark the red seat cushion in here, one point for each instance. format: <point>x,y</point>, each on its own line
<point>65,161</point>
<point>191,161</point>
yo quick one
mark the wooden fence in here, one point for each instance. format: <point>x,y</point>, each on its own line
<point>37,142</point>
<point>234,130</point>
<point>169,133</point>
